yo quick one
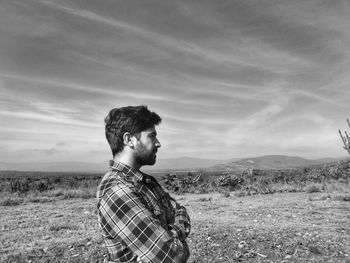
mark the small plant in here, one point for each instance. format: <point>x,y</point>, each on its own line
<point>188,183</point>
<point>19,185</point>
<point>239,193</point>
<point>313,188</point>
<point>10,202</point>
<point>225,192</point>
<point>39,199</point>
<point>59,227</point>
<point>229,180</point>
<point>346,138</point>
<point>204,199</point>
<point>42,185</point>
<point>345,198</point>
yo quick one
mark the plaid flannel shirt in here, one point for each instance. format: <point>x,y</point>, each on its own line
<point>139,221</point>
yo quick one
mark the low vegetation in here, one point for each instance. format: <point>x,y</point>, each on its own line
<point>252,182</point>
<point>291,215</point>
<point>284,227</point>
<point>249,182</point>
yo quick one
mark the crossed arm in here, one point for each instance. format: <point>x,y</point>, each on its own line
<point>123,215</point>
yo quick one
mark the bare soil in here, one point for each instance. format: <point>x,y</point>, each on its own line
<point>286,227</point>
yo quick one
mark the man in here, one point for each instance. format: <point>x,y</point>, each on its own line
<point>139,221</point>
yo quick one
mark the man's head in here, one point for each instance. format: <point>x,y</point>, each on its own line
<point>133,126</point>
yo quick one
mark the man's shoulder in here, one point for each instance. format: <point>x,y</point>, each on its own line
<point>112,182</point>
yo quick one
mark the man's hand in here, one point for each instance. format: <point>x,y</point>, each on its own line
<point>182,223</point>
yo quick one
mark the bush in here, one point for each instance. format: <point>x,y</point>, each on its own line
<point>226,193</point>
<point>313,188</point>
<point>19,185</point>
<point>10,202</point>
<point>345,198</point>
<point>171,182</point>
<point>204,199</point>
<point>59,227</point>
<point>54,193</point>
<point>42,185</point>
<point>230,180</point>
<point>239,193</point>
<point>185,184</point>
<point>40,199</point>
<point>289,188</point>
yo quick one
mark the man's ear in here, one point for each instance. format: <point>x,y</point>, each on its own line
<point>127,140</point>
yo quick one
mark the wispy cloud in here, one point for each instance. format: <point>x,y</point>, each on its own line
<point>236,78</point>
<point>159,39</point>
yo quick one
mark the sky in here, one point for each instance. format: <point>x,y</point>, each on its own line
<point>230,79</point>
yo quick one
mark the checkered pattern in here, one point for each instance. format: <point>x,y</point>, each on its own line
<point>138,218</point>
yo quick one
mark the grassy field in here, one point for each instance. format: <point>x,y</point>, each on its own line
<point>307,226</point>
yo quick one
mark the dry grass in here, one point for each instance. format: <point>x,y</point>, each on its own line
<point>297,227</point>
<point>271,228</point>
<point>338,187</point>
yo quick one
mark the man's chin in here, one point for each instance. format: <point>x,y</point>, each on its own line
<point>150,161</point>
<point>146,159</point>
<point>153,161</point>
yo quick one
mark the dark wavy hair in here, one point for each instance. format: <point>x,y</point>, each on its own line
<point>132,119</point>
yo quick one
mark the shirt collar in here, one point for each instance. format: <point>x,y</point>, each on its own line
<point>129,173</point>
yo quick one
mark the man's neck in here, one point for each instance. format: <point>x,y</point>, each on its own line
<point>127,161</point>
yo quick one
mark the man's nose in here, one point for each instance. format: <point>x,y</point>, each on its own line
<point>157,144</point>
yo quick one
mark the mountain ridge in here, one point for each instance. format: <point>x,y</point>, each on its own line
<point>272,162</point>
<point>180,163</point>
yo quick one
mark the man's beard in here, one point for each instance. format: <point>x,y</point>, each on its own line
<point>144,156</point>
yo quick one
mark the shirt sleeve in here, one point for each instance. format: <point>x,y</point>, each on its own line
<point>182,223</point>
<point>123,213</point>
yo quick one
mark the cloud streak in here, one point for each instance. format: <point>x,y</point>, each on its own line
<point>230,79</point>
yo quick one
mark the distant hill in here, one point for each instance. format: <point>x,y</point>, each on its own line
<point>271,162</point>
<point>182,163</point>
<point>162,164</point>
<point>55,167</point>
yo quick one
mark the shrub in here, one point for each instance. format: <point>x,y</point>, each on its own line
<point>345,198</point>
<point>42,185</point>
<point>39,199</point>
<point>226,193</point>
<point>59,227</point>
<point>54,193</point>
<point>239,193</point>
<point>171,182</point>
<point>289,188</point>
<point>313,188</point>
<point>204,199</point>
<point>19,185</point>
<point>230,180</point>
<point>10,202</point>
<point>184,184</point>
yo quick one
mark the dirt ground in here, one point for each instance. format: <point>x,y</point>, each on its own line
<point>288,227</point>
